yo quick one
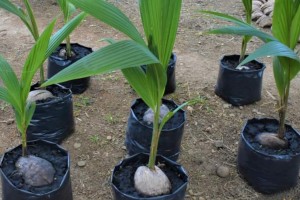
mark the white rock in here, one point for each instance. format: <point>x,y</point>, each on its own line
<point>223,171</point>
<point>36,95</point>
<point>151,182</point>
<point>242,67</point>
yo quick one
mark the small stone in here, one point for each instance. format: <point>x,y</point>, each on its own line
<point>191,192</point>
<point>232,115</point>
<point>223,171</point>
<point>241,107</point>
<point>190,109</point>
<point>77,145</point>
<point>109,137</point>
<point>208,130</point>
<point>10,121</point>
<point>226,105</point>
<point>242,67</point>
<point>62,53</point>
<point>219,144</point>
<point>124,148</point>
<point>201,198</point>
<point>81,163</point>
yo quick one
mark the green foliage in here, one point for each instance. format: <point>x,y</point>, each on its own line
<point>281,46</point>
<point>15,92</point>
<point>160,20</point>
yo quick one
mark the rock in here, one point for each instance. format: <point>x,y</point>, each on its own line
<point>226,105</point>
<point>109,137</point>
<point>81,163</point>
<point>36,95</point>
<point>35,171</point>
<point>223,171</point>
<point>242,68</point>
<point>271,140</point>
<point>190,109</point>
<point>219,144</point>
<point>77,145</point>
<point>231,115</point>
<point>151,182</point>
<point>10,121</point>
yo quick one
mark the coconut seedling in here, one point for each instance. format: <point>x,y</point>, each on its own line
<point>36,171</point>
<point>67,9</point>
<point>160,21</point>
<point>248,10</point>
<point>28,18</point>
<point>281,45</point>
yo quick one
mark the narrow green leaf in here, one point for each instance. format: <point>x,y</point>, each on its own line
<point>160,20</point>
<point>29,111</point>
<point>273,48</point>
<point>4,95</point>
<point>8,6</point>
<point>248,9</point>
<point>243,30</point>
<point>120,55</point>
<point>295,28</point>
<point>11,83</point>
<point>35,59</point>
<point>173,112</point>
<point>67,8</point>
<point>33,25</point>
<point>60,35</point>
<point>111,15</point>
<point>278,75</point>
<point>137,79</point>
<point>294,69</point>
<point>225,17</point>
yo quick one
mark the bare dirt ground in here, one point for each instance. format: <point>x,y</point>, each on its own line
<point>102,111</point>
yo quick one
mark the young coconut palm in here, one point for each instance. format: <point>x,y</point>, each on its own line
<point>286,32</point>
<point>15,92</point>
<point>29,20</point>
<point>67,9</point>
<point>160,20</point>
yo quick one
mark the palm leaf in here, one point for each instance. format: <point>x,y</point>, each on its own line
<point>273,48</point>
<point>61,34</point>
<point>29,111</point>
<point>110,15</point>
<point>11,82</point>
<point>248,9</point>
<point>120,55</point>
<point>35,59</point>
<point>8,6</point>
<point>160,25</point>
<point>278,71</point>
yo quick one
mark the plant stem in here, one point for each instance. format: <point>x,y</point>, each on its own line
<point>155,138</point>
<point>243,50</point>
<point>68,47</point>
<point>24,140</point>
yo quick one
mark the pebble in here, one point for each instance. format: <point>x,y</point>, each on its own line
<point>109,137</point>
<point>226,105</point>
<point>219,144</point>
<point>223,171</point>
<point>10,121</point>
<point>232,115</point>
<point>77,145</point>
<point>190,109</point>
<point>81,163</point>
<point>124,148</point>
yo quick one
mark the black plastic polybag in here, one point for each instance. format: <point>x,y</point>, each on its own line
<point>239,87</point>
<point>56,64</point>
<point>178,194</point>
<point>64,190</point>
<point>139,134</point>
<point>53,121</point>
<point>264,172</point>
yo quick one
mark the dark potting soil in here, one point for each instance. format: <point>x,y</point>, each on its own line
<point>140,108</point>
<point>232,62</point>
<point>58,92</point>
<point>56,157</point>
<point>123,179</point>
<point>77,49</point>
<point>271,126</point>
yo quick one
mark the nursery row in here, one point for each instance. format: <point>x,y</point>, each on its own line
<point>269,150</point>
